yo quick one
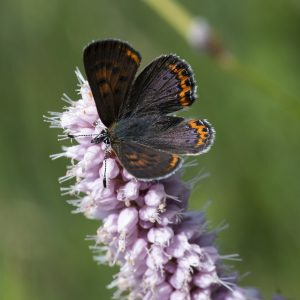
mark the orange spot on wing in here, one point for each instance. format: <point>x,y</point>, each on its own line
<point>192,124</point>
<point>133,56</point>
<point>104,88</point>
<point>137,161</point>
<point>141,163</point>
<point>173,162</point>
<point>202,135</point>
<point>133,156</point>
<point>184,99</point>
<point>103,73</point>
<point>185,102</point>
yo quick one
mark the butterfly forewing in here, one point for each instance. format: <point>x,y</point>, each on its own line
<point>166,85</point>
<point>110,67</point>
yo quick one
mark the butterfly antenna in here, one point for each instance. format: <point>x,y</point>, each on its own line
<point>72,136</point>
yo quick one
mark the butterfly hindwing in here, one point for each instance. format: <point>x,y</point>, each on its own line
<point>110,67</point>
<point>166,85</point>
<point>167,133</point>
<point>146,163</point>
<point>189,137</point>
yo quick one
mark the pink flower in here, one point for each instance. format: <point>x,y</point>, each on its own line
<point>163,250</point>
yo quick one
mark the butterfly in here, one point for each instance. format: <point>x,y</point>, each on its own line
<point>147,140</point>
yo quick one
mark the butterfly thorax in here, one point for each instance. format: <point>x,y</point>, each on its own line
<point>104,137</point>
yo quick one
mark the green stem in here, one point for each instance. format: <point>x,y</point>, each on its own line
<point>180,19</point>
<point>167,9</point>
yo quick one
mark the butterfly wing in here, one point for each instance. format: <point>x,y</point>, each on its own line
<point>167,133</point>
<point>110,66</point>
<point>146,163</point>
<point>189,137</point>
<point>166,85</point>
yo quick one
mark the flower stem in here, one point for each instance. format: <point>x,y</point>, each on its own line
<point>181,20</point>
<point>168,9</point>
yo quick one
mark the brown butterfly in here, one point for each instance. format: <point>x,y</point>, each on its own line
<point>147,140</point>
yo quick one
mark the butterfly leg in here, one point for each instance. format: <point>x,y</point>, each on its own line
<point>104,160</point>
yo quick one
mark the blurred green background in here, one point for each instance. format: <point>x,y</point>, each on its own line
<point>254,164</point>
